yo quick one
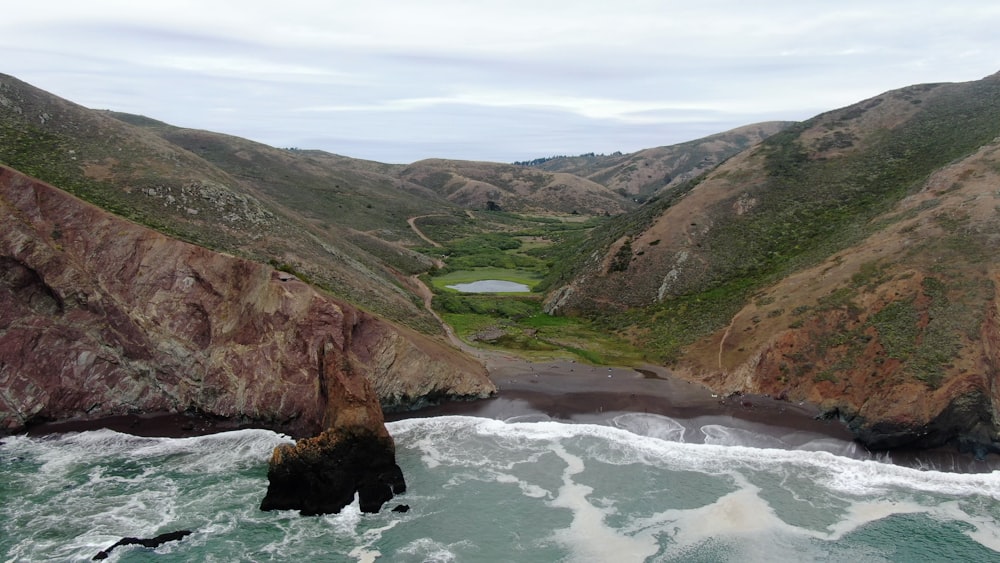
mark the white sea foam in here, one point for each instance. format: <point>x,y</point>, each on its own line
<point>210,453</point>
<point>837,473</point>
<point>719,435</point>
<point>588,537</point>
<point>429,551</point>
<point>651,425</point>
<point>527,489</point>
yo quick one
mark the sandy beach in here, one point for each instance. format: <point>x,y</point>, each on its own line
<point>559,390</point>
<point>568,391</point>
<point>574,392</point>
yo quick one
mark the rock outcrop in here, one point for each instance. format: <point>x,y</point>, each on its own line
<point>151,543</point>
<point>100,316</point>
<point>355,455</point>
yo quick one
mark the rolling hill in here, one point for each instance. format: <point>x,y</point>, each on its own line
<point>641,175</point>
<point>848,260</point>
<point>336,222</point>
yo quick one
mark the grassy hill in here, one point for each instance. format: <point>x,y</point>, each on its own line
<point>338,223</point>
<point>490,185</point>
<point>640,175</point>
<point>847,260</point>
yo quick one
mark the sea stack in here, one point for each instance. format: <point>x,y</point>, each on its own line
<point>354,455</point>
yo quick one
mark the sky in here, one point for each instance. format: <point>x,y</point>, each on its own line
<point>400,81</point>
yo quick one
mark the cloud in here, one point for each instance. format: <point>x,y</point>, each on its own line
<point>489,80</point>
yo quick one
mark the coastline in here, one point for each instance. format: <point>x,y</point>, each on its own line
<point>571,392</point>
<point>568,391</point>
<point>560,390</point>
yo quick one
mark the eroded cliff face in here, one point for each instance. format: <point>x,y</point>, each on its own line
<point>899,335</point>
<point>100,316</point>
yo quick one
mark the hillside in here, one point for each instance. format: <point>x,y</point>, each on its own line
<point>642,174</point>
<point>102,317</point>
<point>336,222</point>
<point>847,261</point>
<point>485,185</point>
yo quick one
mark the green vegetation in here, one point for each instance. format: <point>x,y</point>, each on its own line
<point>517,248</point>
<point>518,325</point>
<point>809,208</point>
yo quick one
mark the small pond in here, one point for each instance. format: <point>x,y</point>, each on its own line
<point>490,286</point>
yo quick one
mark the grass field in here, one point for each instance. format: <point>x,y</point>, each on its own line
<point>515,249</point>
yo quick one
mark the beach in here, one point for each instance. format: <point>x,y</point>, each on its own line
<point>574,392</point>
<point>568,462</point>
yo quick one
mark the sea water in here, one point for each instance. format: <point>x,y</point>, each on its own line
<point>638,489</point>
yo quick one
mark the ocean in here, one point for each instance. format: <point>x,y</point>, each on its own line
<point>641,487</point>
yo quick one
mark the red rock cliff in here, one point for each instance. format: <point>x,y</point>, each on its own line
<point>100,316</point>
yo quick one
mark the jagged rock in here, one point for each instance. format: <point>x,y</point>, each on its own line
<point>151,543</point>
<point>355,455</point>
<point>321,475</point>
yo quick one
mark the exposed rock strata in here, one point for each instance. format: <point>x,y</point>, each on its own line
<point>99,316</point>
<point>898,336</point>
<point>354,455</point>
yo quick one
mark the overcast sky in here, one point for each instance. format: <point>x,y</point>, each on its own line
<point>488,80</point>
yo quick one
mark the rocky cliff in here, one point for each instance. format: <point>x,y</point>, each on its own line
<point>897,335</point>
<point>99,316</point>
<point>848,261</point>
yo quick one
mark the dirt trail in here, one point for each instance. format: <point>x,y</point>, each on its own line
<point>725,335</point>
<point>427,295</point>
<point>413,225</point>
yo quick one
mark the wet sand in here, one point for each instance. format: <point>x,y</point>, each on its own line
<point>567,391</point>
<point>572,392</point>
<point>155,425</point>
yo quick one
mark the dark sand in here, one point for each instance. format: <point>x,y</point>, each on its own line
<point>172,425</point>
<point>571,392</point>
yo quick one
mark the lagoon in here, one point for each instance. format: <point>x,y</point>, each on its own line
<point>490,286</point>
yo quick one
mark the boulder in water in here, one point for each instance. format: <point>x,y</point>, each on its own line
<point>145,542</point>
<point>321,475</point>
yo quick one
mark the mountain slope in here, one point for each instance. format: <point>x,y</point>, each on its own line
<point>100,316</point>
<point>343,227</point>
<point>476,185</point>
<point>707,274</point>
<point>645,173</point>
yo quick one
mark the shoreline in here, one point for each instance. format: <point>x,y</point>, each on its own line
<point>571,392</point>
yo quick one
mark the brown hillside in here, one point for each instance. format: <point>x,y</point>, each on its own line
<point>645,173</point>
<point>847,261</point>
<point>337,222</point>
<point>513,188</point>
<point>895,329</point>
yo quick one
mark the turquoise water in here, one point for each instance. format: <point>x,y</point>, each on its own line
<point>488,490</point>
